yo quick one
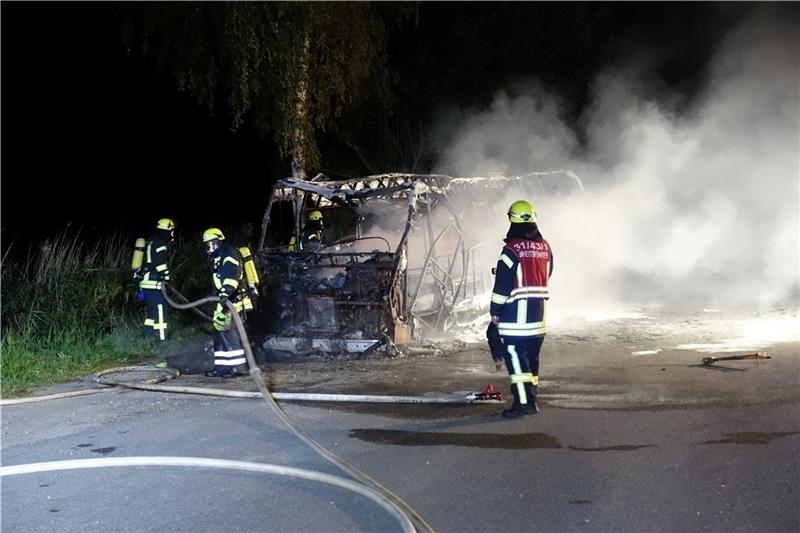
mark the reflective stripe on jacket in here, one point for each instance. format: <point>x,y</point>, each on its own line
<point>155,268</point>
<point>228,274</point>
<point>520,287</point>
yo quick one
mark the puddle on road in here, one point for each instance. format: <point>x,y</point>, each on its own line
<point>618,448</point>
<point>103,450</point>
<point>518,441</point>
<point>750,437</point>
<point>515,441</point>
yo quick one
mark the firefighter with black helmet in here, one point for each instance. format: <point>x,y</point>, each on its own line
<point>518,303</point>
<point>227,276</point>
<point>151,269</point>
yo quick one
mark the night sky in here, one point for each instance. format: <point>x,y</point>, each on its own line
<point>92,136</point>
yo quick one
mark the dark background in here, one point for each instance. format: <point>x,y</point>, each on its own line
<point>92,137</point>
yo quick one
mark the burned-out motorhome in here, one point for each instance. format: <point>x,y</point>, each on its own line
<point>399,256</point>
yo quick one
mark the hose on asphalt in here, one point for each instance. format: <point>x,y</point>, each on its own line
<point>452,399</point>
<point>256,374</point>
<point>407,513</point>
<point>56,396</point>
<point>171,373</point>
<point>202,462</point>
<point>107,385</point>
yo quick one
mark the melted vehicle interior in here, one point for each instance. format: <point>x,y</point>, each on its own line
<point>393,259</point>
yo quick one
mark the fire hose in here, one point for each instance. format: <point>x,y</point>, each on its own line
<point>256,374</point>
<point>203,462</point>
<point>409,520</point>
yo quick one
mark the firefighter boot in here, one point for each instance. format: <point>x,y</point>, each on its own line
<point>533,391</point>
<point>217,374</point>
<point>228,372</point>
<point>240,370</point>
<point>521,409</point>
<point>517,411</point>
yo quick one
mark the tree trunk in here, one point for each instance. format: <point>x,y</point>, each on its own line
<point>300,136</point>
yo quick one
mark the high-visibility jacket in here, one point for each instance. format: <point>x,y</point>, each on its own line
<point>311,236</point>
<point>228,275</point>
<point>520,287</point>
<point>155,268</point>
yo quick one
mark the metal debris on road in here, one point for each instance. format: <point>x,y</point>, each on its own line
<point>745,357</point>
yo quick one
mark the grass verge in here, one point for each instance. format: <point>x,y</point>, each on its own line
<point>68,309</point>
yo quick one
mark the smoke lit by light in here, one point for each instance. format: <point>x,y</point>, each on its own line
<point>688,207</point>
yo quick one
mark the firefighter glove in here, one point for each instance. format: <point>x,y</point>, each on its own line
<point>222,320</point>
<point>496,346</point>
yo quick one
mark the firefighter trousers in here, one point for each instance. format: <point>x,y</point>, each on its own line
<point>156,321</point>
<point>229,352</point>
<point>522,363</point>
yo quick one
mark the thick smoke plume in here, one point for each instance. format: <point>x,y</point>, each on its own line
<point>694,207</point>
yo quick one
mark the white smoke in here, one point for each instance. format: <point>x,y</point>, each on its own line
<point>690,208</point>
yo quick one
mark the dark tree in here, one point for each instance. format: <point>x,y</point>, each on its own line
<point>290,68</point>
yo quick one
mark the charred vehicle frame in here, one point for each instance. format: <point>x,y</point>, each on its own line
<point>395,259</point>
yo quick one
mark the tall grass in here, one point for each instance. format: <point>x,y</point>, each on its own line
<point>68,308</point>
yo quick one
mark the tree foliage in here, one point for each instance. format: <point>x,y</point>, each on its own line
<point>289,67</point>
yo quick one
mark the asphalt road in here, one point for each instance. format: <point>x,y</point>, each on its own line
<point>725,460</point>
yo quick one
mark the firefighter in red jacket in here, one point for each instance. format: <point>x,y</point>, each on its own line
<point>518,304</point>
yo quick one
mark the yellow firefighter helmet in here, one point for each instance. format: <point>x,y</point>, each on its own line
<point>521,212</point>
<point>315,215</point>
<point>165,224</point>
<point>213,234</point>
